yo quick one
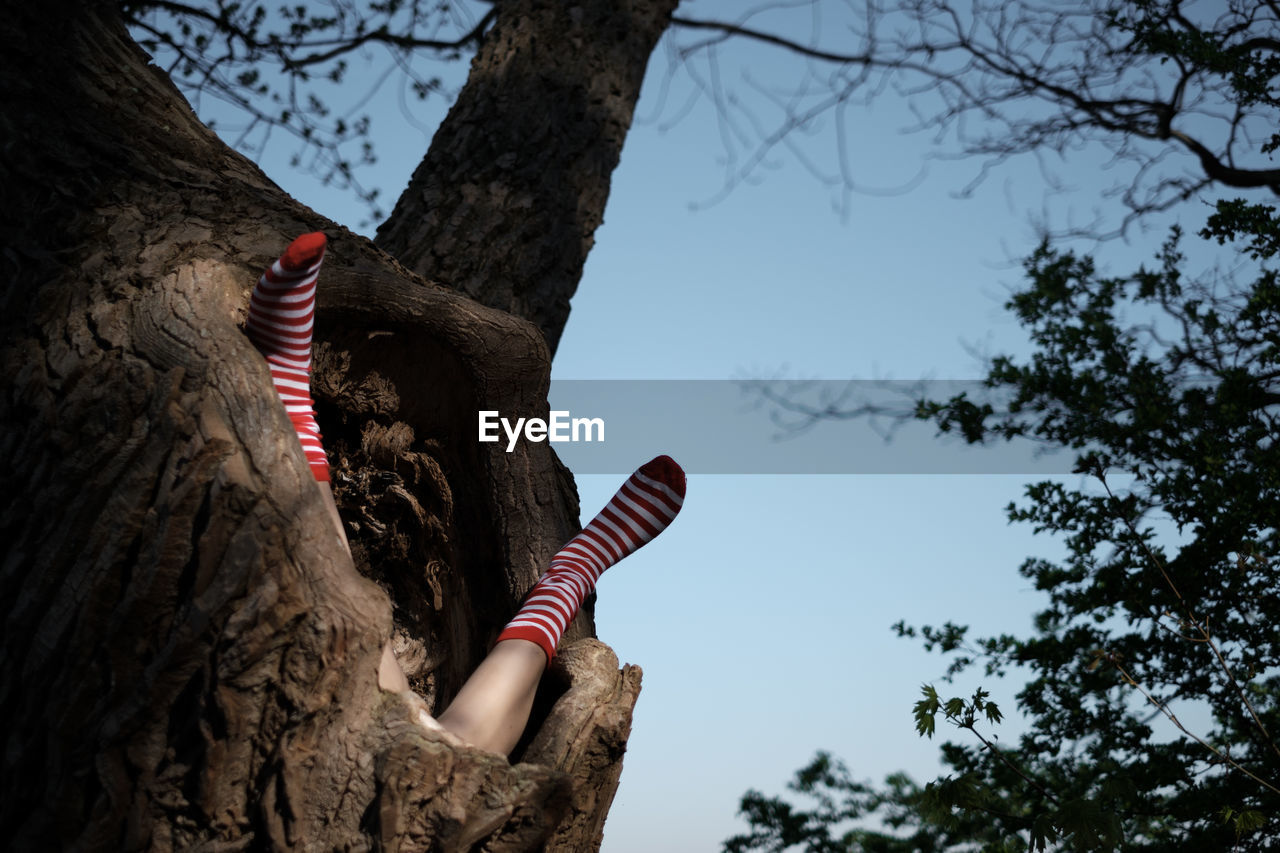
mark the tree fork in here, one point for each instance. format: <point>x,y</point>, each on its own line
<point>189,657</point>
<point>509,230</point>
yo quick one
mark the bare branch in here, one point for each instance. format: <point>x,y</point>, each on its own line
<point>401,42</point>
<point>1221,172</point>
<point>1036,77</point>
<point>1173,718</point>
<point>727,30</point>
<point>282,69</point>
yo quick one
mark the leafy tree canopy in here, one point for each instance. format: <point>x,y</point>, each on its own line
<point>1152,701</point>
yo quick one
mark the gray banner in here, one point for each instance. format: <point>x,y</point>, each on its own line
<point>763,427</point>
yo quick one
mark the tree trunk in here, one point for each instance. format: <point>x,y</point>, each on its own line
<point>189,658</point>
<point>511,230</point>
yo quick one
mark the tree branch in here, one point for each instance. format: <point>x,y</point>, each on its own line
<point>728,30</point>
<point>1098,84</point>
<point>1173,718</point>
<point>337,47</point>
<point>1200,627</point>
<point>383,36</point>
<point>1229,175</point>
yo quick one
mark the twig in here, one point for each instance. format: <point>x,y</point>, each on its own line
<point>1200,628</point>
<point>1173,718</point>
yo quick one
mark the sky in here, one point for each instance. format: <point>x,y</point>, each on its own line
<point>762,617</point>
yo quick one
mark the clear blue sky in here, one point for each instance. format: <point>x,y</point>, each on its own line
<point>761,618</point>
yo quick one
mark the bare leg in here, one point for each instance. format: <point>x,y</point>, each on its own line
<point>493,706</point>
<point>492,709</point>
<point>281,310</point>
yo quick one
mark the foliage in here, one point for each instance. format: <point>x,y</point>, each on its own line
<point>1165,604</point>
<point>839,800</point>
<point>1152,701</point>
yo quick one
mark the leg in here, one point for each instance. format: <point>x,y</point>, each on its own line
<point>491,709</point>
<point>281,315</point>
<point>493,706</point>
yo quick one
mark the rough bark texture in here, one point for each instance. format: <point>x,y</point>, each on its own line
<point>189,657</point>
<point>512,231</point>
<point>585,735</point>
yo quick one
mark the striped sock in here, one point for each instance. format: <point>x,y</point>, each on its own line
<point>642,508</point>
<point>281,314</point>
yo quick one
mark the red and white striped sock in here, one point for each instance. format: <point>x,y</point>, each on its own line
<point>281,314</point>
<point>642,508</point>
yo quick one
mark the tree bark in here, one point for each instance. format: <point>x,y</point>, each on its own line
<point>189,657</point>
<point>510,230</point>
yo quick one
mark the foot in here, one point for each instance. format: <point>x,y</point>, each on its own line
<point>647,502</point>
